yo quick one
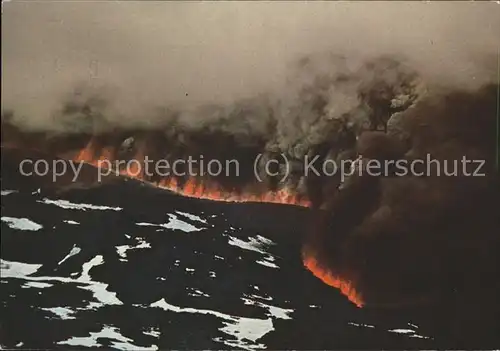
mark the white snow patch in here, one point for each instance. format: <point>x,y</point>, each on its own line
<point>87,266</point>
<point>98,289</point>
<point>361,325</point>
<point>253,244</point>
<point>256,244</point>
<point>242,329</point>
<point>195,292</point>
<point>11,269</point>
<point>267,264</point>
<point>72,206</point>
<point>411,333</point>
<point>243,244</point>
<point>152,332</point>
<point>192,217</point>
<point>174,223</point>
<point>268,298</point>
<point>70,222</point>
<point>61,312</point>
<point>273,311</point>
<point>401,331</point>
<point>21,223</point>
<point>104,296</point>
<point>420,336</point>
<point>120,342</point>
<point>101,294</point>
<point>39,285</point>
<point>74,251</point>
<point>122,249</point>
<point>264,240</point>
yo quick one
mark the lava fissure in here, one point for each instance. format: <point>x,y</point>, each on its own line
<point>346,287</point>
<point>190,186</point>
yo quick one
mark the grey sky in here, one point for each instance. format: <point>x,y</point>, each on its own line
<point>155,53</point>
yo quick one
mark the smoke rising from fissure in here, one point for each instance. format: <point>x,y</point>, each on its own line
<point>134,57</point>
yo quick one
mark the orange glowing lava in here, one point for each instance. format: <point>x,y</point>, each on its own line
<point>192,187</point>
<point>201,190</point>
<point>328,278</point>
<point>92,154</point>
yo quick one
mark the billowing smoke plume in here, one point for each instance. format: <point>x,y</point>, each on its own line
<point>304,80</point>
<point>332,101</point>
<point>127,60</point>
<point>430,238</point>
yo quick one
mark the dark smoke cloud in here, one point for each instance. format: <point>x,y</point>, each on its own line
<point>244,78</point>
<point>430,241</point>
<point>332,102</point>
<point>135,57</point>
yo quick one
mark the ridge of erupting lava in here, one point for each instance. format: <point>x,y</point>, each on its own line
<point>200,190</point>
<point>191,187</point>
<point>346,287</point>
<point>210,191</point>
<point>94,153</point>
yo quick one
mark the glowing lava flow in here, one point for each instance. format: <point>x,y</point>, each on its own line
<point>197,189</point>
<point>210,191</point>
<point>328,278</point>
<point>192,187</point>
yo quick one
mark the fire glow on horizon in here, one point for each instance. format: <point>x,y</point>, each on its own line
<point>345,287</point>
<point>192,187</point>
<point>197,189</point>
